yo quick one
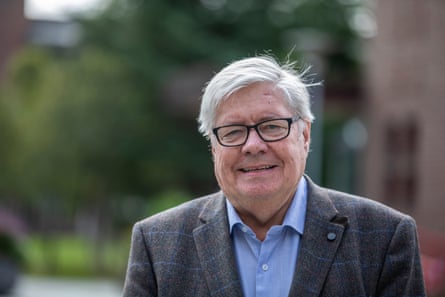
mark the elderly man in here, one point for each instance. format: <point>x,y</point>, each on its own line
<point>270,231</point>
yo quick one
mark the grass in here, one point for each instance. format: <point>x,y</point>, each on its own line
<point>74,257</point>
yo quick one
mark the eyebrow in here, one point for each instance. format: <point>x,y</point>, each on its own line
<point>260,119</point>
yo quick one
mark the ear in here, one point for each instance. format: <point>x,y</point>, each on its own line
<point>212,149</point>
<point>307,135</point>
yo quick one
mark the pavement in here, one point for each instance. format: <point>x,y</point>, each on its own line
<point>30,286</point>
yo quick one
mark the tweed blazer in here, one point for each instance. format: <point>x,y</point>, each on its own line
<point>351,247</point>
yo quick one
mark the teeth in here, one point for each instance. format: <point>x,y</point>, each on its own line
<point>255,169</point>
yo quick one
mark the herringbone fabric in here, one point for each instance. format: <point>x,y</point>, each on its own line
<point>351,247</point>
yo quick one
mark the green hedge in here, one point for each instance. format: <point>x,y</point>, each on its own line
<point>75,257</point>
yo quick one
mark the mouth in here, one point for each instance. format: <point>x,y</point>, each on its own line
<point>259,168</point>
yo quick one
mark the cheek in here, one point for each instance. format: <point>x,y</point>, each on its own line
<point>296,155</point>
<point>224,163</point>
<point>219,163</point>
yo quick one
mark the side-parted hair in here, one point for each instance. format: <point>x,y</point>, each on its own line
<point>245,72</point>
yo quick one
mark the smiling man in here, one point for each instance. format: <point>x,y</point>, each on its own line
<point>270,231</point>
<point>259,166</point>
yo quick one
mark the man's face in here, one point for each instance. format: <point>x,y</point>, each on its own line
<point>258,171</point>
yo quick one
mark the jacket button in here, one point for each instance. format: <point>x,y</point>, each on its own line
<point>331,236</point>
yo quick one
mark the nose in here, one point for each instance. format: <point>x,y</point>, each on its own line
<point>254,144</point>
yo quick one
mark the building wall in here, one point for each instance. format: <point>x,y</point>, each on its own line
<point>12,30</point>
<point>405,159</point>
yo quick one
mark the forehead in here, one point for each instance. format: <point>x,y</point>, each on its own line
<point>254,100</point>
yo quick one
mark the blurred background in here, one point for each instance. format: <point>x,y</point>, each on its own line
<point>98,108</point>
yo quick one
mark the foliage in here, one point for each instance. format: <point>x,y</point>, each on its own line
<point>9,248</point>
<point>85,133</point>
<point>74,256</point>
<point>166,200</point>
<point>157,35</point>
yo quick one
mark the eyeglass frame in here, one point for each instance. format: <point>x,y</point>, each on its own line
<point>290,121</point>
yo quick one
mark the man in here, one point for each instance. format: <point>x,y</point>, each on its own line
<point>270,231</point>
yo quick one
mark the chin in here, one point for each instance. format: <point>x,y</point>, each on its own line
<point>259,192</point>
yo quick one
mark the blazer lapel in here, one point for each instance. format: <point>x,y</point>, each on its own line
<point>323,232</point>
<point>215,252</point>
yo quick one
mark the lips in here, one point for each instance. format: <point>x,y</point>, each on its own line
<point>257,168</point>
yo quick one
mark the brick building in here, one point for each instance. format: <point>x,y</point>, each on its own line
<point>406,83</point>
<point>13,27</point>
<point>405,160</point>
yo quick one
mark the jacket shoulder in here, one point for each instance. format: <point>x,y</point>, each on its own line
<point>364,207</point>
<point>186,215</point>
<point>359,210</point>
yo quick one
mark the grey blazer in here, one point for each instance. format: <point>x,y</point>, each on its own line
<point>351,246</point>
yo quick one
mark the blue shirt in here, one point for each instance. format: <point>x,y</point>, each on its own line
<point>267,267</point>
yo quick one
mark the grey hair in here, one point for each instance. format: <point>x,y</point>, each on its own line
<point>245,72</point>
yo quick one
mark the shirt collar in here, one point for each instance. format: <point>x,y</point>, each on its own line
<point>294,217</point>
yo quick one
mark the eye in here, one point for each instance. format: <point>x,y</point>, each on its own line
<point>233,132</point>
<point>273,127</point>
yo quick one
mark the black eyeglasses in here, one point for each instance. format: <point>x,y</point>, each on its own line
<point>269,131</point>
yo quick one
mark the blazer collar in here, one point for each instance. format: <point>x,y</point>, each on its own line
<point>323,232</point>
<point>215,252</point>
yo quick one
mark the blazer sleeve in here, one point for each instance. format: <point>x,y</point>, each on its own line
<point>402,270</point>
<point>139,279</point>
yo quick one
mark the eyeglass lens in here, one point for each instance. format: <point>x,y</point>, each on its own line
<point>270,130</point>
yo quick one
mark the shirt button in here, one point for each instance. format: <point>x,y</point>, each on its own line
<point>265,267</point>
<point>244,229</point>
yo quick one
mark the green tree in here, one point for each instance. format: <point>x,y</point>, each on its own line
<point>155,36</point>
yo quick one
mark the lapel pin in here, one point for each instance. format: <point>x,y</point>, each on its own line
<point>332,236</point>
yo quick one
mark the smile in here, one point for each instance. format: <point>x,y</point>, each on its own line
<point>257,168</point>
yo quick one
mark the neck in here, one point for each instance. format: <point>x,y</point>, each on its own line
<point>260,218</point>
